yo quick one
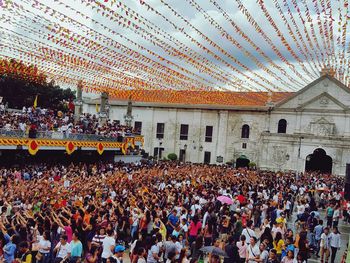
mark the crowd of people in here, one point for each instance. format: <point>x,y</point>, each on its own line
<point>168,212</point>
<point>32,120</point>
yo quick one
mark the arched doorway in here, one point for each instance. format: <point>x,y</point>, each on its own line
<point>318,161</point>
<point>242,161</point>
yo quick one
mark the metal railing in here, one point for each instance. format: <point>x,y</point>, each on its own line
<point>60,135</point>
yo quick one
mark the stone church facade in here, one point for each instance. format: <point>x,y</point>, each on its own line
<point>309,129</point>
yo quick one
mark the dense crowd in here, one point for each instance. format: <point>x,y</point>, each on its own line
<point>167,212</point>
<point>32,120</point>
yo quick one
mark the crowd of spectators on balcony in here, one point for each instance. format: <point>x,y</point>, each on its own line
<point>32,120</point>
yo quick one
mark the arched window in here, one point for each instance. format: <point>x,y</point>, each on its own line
<point>245,131</point>
<point>282,126</point>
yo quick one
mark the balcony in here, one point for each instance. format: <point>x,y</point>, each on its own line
<point>51,140</point>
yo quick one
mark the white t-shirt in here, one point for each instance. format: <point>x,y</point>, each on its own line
<point>63,250</point>
<point>194,208</point>
<point>154,250</point>
<point>336,215</point>
<point>106,245</point>
<point>242,249</point>
<point>178,249</point>
<point>325,241</point>
<point>288,205</point>
<point>184,228</point>
<point>300,209</point>
<point>253,252</point>
<point>44,245</point>
<point>264,255</point>
<point>248,233</point>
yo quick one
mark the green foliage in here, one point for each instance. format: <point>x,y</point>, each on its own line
<point>20,92</point>
<point>252,165</point>
<point>172,156</point>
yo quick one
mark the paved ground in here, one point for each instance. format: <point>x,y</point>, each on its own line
<point>343,228</point>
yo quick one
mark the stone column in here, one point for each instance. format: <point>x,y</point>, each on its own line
<point>103,115</point>
<point>222,135</point>
<point>78,103</point>
<point>298,122</point>
<point>196,136</point>
<point>267,120</point>
<point>347,124</point>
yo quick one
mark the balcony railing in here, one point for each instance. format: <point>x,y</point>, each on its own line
<point>61,136</point>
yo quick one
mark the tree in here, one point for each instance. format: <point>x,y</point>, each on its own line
<point>252,165</point>
<point>19,84</point>
<point>172,156</point>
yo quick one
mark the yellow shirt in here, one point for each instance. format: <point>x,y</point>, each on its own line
<point>278,246</point>
<point>27,259</point>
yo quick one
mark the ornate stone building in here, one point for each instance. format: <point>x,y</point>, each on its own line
<point>309,129</point>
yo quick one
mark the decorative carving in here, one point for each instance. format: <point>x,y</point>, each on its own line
<point>324,101</point>
<point>279,155</point>
<point>322,127</point>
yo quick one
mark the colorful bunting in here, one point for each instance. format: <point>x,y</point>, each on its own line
<point>67,44</point>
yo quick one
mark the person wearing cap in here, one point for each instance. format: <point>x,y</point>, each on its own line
<point>118,253</point>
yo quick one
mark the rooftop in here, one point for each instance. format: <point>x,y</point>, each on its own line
<point>248,99</point>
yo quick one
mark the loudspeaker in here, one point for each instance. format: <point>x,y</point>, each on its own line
<point>347,183</point>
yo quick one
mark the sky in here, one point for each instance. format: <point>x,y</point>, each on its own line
<point>239,45</point>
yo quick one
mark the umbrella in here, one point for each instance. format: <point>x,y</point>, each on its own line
<point>214,251</point>
<point>225,199</point>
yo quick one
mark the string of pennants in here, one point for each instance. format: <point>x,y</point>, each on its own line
<point>126,46</point>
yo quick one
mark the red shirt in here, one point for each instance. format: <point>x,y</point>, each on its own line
<point>241,199</point>
<point>56,178</point>
<point>71,106</point>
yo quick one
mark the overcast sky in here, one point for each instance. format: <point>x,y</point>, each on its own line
<point>234,63</point>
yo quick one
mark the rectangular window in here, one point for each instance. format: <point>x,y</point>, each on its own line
<point>244,145</point>
<point>184,132</point>
<point>155,152</point>
<point>158,153</point>
<point>138,127</point>
<point>208,133</point>
<point>160,130</point>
